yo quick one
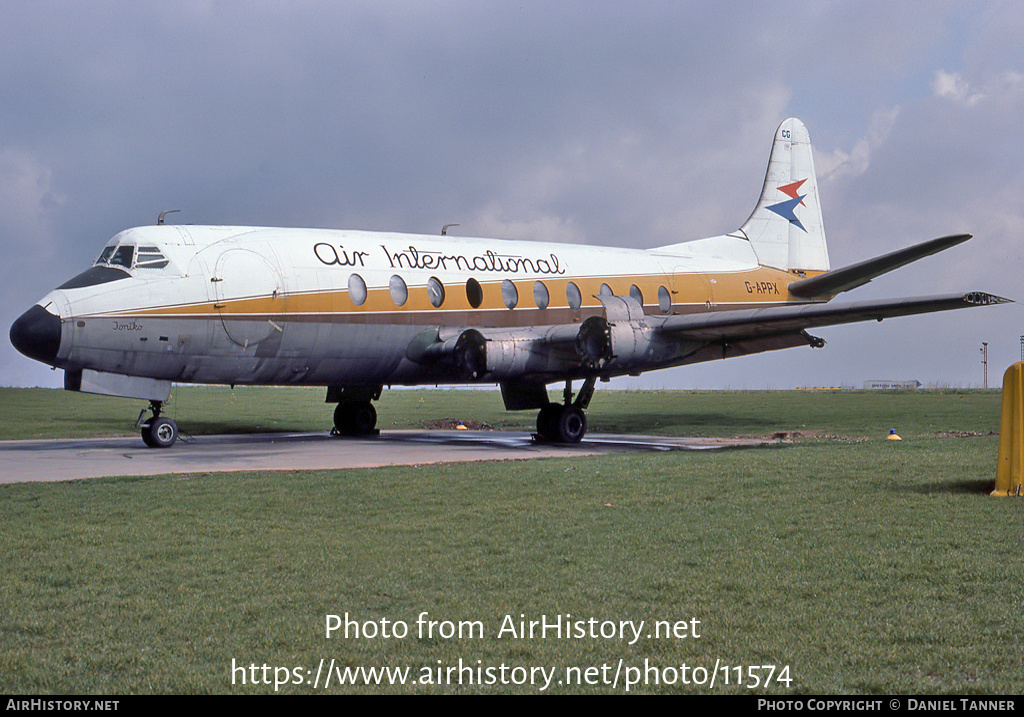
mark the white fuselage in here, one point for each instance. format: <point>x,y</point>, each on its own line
<point>323,307</point>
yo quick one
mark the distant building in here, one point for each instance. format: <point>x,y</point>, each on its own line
<point>890,385</point>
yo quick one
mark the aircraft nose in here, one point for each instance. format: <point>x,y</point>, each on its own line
<point>36,334</point>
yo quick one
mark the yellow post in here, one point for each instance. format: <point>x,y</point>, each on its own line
<point>1010,471</point>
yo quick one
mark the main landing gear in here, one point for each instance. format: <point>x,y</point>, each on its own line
<point>157,432</point>
<point>355,414</point>
<point>355,418</point>
<point>566,423</point>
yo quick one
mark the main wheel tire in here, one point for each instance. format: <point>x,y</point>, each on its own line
<point>363,418</point>
<point>355,418</point>
<point>160,433</point>
<point>572,424</point>
<point>547,421</point>
<point>341,418</point>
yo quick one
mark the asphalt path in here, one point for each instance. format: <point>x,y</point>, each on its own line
<point>71,459</point>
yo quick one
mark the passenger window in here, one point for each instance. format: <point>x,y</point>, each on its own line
<point>509,294</point>
<point>399,291</point>
<point>664,300</point>
<point>540,295</point>
<point>606,290</point>
<point>356,289</point>
<point>474,293</point>
<point>435,291</point>
<point>636,294</point>
<point>572,295</point>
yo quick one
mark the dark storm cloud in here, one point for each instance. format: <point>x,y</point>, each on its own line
<point>636,124</point>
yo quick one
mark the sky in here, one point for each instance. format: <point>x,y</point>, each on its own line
<point>635,124</point>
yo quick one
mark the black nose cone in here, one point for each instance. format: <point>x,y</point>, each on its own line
<point>36,334</point>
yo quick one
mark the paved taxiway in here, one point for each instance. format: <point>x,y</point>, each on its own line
<point>69,459</point>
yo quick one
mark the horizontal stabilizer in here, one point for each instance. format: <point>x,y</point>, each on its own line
<point>746,323</point>
<point>838,280</point>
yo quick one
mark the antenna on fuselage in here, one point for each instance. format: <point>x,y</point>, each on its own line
<point>444,229</point>
<point>164,213</point>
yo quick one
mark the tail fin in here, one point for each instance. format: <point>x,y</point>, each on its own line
<point>786,230</point>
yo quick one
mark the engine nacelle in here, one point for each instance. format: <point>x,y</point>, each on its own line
<point>620,345</point>
<point>470,354</point>
<point>622,339</point>
<point>478,357</point>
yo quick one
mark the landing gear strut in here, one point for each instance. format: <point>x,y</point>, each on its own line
<point>157,432</point>
<point>566,423</point>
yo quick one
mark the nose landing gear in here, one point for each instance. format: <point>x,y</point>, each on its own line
<point>157,432</point>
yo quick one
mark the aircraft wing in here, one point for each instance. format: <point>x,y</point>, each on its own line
<point>625,340</point>
<point>750,323</point>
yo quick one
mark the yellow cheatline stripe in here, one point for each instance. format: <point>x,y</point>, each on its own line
<point>757,287</point>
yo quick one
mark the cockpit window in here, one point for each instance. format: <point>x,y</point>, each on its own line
<point>116,261</point>
<point>105,254</point>
<point>123,256</point>
<point>150,257</point>
<point>144,257</point>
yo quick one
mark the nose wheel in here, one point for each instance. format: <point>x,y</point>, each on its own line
<point>157,432</point>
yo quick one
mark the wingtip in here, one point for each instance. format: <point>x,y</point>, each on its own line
<point>983,298</point>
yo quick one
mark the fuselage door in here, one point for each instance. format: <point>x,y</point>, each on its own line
<point>249,294</point>
<point>691,291</point>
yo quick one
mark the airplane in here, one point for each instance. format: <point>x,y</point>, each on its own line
<point>354,311</point>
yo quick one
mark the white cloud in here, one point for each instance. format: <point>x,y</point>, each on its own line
<point>495,220</point>
<point>841,164</point>
<point>951,86</point>
<point>956,88</point>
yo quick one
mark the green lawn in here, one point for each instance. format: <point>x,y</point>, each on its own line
<point>859,564</point>
<point>51,413</point>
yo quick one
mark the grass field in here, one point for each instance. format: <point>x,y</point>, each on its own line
<point>860,565</point>
<point>51,413</point>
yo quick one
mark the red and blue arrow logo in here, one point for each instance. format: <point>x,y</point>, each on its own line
<point>787,209</point>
